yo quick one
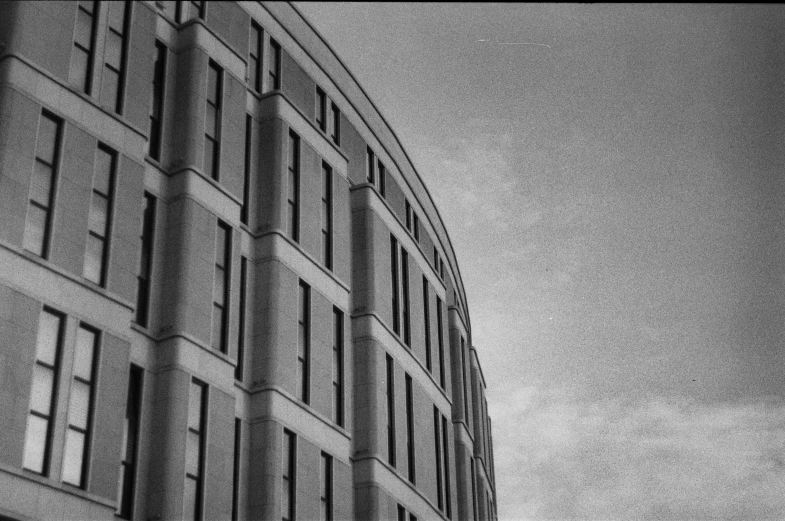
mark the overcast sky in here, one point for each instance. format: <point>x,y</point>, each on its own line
<point>611,178</point>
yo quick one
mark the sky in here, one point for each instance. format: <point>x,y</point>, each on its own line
<point>611,177</point>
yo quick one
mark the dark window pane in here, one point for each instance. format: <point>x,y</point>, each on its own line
<point>47,140</point>
<point>103,171</point>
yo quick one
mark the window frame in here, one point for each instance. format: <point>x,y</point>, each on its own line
<point>53,168</point>
<point>214,171</point>
<point>304,342</point>
<point>109,198</point>
<point>225,267</point>
<point>147,250</point>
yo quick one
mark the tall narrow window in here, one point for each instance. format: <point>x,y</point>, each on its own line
<point>336,133</point>
<point>327,216</point>
<point>190,10</point>
<point>465,383</point>
<point>412,517</point>
<point>113,80</point>
<point>474,488</point>
<point>416,227</point>
<point>275,65</point>
<point>370,166</point>
<point>338,366</point>
<point>236,470</point>
<point>440,337</point>
<point>145,260</point>
<point>326,488</point>
<point>390,411</point>
<point>405,297</point>
<point>382,180</point>
<point>157,108</point>
<point>212,121</point>
<point>293,198</point>
<point>247,169</point>
<point>446,451</point>
<point>42,186</point>
<point>194,451</point>
<point>80,73</point>
<point>426,306</point>
<point>412,471</point>
<point>100,216</point>
<point>401,513</point>
<point>437,439</point>
<point>238,369</point>
<point>303,342</point>
<point>321,109</point>
<point>80,408</point>
<point>435,259</point>
<point>255,57</point>
<point>408,215</point>
<point>441,268</point>
<point>288,498</point>
<point>396,290</point>
<point>223,249</point>
<point>126,482</point>
<point>38,435</point>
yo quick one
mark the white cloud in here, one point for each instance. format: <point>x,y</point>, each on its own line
<point>560,457</point>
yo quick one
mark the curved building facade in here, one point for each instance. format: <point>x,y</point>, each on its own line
<point>225,291</point>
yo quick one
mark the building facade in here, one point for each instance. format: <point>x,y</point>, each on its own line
<point>225,292</point>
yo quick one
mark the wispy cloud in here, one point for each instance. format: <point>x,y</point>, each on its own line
<point>560,457</point>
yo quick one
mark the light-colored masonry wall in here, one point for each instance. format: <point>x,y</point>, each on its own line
<point>175,347</point>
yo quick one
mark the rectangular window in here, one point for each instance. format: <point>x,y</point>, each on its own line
<point>465,383</point>
<point>303,342</point>
<point>396,290</point>
<point>390,411</point>
<point>255,57</point>
<point>288,498</point>
<point>416,225</point>
<point>113,80</point>
<point>412,517</point>
<point>223,252</point>
<point>446,450</point>
<point>80,407</point>
<point>43,184</point>
<point>43,392</point>
<point>327,216</point>
<point>405,297</point>
<point>474,488</point>
<point>440,337</point>
<point>126,482</point>
<point>408,215</point>
<point>275,65</point>
<point>370,166</point>
<point>412,472</point>
<point>336,133</point>
<point>212,121</point>
<point>435,259</point>
<point>97,251</point>
<point>321,109</point>
<point>441,268</point>
<point>236,470</point>
<point>326,488</point>
<point>437,439</point>
<point>238,369</point>
<point>338,366</point>
<point>80,73</point>
<point>401,513</point>
<point>293,198</point>
<point>145,260</point>
<point>189,10</point>
<point>382,180</point>
<point>194,450</point>
<point>157,108</point>
<point>426,306</point>
<point>247,169</point>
